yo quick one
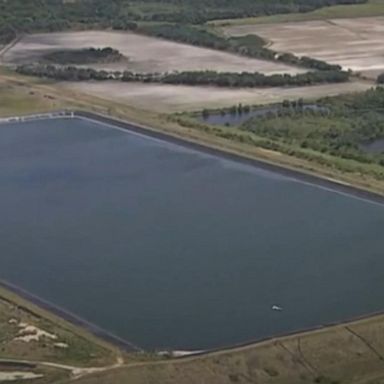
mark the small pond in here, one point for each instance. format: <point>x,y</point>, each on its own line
<point>376,146</point>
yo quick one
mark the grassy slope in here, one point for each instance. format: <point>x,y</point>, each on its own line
<point>17,101</point>
<point>50,376</point>
<point>371,8</point>
<point>349,353</point>
<point>84,349</point>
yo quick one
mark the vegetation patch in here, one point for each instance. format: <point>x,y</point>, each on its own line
<point>83,56</point>
<point>251,80</point>
<point>335,134</point>
<point>339,127</point>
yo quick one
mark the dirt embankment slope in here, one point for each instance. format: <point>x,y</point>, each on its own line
<point>349,353</point>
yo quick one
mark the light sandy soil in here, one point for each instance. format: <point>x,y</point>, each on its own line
<point>145,54</point>
<point>172,98</point>
<point>355,44</point>
<point>28,333</point>
<point>18,376</point>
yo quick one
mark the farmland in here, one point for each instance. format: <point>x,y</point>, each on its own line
<point>143,53</point>
<point>356,42</point>
<point>177,98</point>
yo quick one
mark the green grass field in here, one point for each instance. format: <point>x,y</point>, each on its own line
<point>371,8</point>
<point>16,99</point>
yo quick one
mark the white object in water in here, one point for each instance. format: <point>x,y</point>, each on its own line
<point>276,308</point>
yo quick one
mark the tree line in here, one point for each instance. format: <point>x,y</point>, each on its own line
<point>21,16</point>
<point>253,79</point>
<point>220,79</point>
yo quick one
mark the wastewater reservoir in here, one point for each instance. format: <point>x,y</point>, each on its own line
<point>170,247</point>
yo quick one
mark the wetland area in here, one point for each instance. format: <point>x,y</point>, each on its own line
<point>171,247</point>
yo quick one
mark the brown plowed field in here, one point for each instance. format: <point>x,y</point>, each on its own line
<point>175,98</point>
<point>355,44</point>
<point>145,54</point>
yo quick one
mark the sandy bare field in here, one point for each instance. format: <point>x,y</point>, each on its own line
<point>355,44</point>
<point>145,54</point>
<point>172,98</point>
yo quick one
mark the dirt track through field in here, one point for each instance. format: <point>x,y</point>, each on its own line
<point>355,44</point>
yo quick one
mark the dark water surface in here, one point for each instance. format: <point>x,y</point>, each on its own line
<point>170,247</point>
<point>376,146</point>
